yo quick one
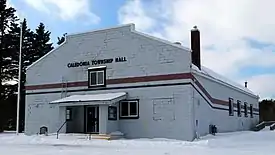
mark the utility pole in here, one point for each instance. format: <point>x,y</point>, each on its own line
<point>19,80</point>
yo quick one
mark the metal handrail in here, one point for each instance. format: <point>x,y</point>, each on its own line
<point>60,129</point>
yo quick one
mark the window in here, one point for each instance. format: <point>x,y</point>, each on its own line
<point>245,109</point>
<point>97,77</point>
<point>251,110</point>
<point>68,114</point>
<point>129,109</point>
<point>231,107</point>
<point>239,108</point>
<point>112,113</point>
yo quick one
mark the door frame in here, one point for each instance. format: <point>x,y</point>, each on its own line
<point>86,119</point>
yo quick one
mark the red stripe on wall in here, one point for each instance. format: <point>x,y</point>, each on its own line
<point>136,80</point>
<point>117,81</point>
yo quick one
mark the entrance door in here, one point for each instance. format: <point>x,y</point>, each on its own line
<point>92,125</point>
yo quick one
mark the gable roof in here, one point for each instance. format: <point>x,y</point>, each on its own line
<point>206,72</point>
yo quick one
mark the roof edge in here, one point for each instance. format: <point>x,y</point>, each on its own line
<point>131,25</point>
<point>41,58</point>
<point>161,40</point>
<point>225,83</point>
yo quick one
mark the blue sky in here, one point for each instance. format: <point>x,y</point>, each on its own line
<point>236,42</point>
<point>105,9</point>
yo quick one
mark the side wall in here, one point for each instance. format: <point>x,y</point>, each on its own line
<point>211,99</point>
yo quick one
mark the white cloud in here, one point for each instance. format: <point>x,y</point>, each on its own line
<point>133,12</point>
<point>66,9</point>
<point>225,26</point>
<point>263,85</point>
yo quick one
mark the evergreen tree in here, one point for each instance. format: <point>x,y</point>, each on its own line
<point>41,43</point>
<point>7,17</point>
<point>35,45</point>
<point>14,44</point>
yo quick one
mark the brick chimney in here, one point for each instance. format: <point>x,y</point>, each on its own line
<point>196,47</point>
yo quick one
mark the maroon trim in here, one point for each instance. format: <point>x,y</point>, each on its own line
<point>117,81</point>
<point>213,100</point>
<point>150,78</point>
<point>137,80</point>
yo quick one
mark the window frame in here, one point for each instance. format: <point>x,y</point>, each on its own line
<point>239,108</point>
<point>129,116</point>
<point>245,109</point>
<point>97,71</point>
<point>251,110</point>
<point>231,106</point>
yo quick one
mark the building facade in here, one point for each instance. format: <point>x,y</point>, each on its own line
<point>119,79</point>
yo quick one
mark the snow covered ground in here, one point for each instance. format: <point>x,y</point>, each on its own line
<point>238,143</point>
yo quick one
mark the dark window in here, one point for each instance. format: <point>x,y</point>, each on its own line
<point>124,108</point>
<point>92,78</point>
<point>129,109</point>
<point>251,110</point>
<point>133,108</point>
<point>68,114</point>
<point>112,113</point>
<point>100,77</point>
<point>231,107</point>
<point>245,109</point>
<point>239,108</point>
<point>97,77</point>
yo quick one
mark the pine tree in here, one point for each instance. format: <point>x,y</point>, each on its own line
<point>7,17</point>
<point>41,43</point>
<point>35,45</point>
<point>14,44</point>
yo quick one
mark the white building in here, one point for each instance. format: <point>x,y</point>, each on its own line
<point>118,79</point>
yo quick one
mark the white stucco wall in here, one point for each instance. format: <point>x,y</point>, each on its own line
<point>76,125</point>
<point>145,57</point>
<point>113,125</point>
<point>39,112</point>
<point>207,115</point>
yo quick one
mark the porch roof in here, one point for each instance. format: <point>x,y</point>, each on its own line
<point>91,99</point>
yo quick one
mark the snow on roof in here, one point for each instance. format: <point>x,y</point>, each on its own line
<point>210,73</point>
<point>91,97</point>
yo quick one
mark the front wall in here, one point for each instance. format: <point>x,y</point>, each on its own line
<point>175,123</point>
<point>39,112</point>
<point>112,125</point>
<point>218,117</point>
<point>144,57</point>
<point>76,125</point>
<point>160,121</point>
